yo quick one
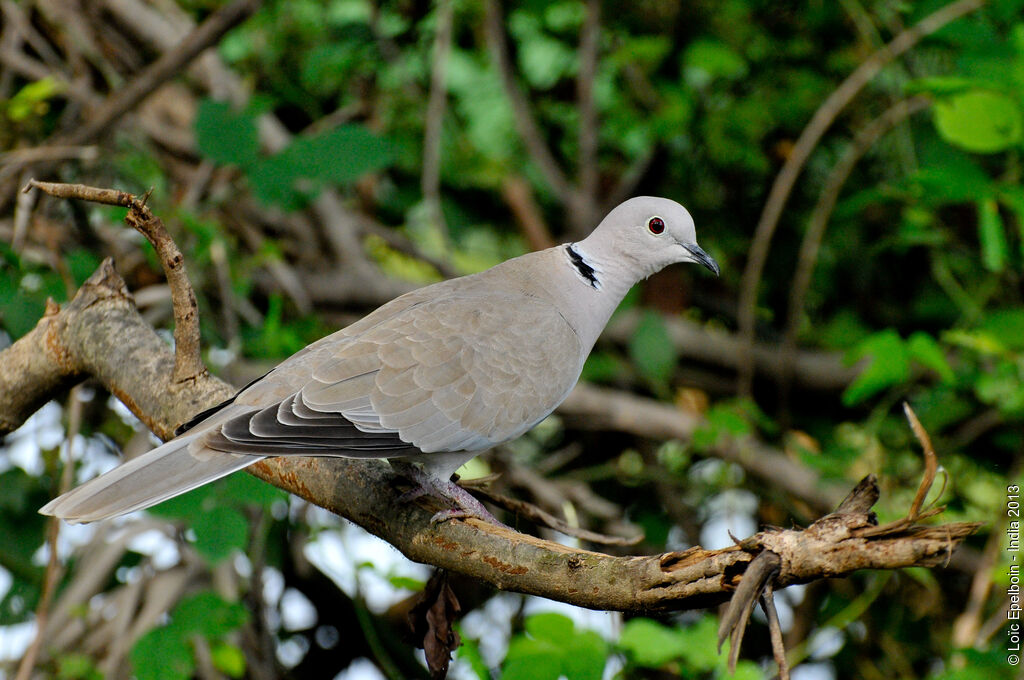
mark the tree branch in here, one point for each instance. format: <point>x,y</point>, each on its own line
<point>100,333</point>
<point>188,363</point>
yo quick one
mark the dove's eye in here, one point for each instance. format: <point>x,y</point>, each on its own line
<point>656,225</point>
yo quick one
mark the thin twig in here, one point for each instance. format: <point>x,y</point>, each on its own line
<point>526,124</point>
<point>430,178</point>
<point>805,144</point>
<point>733,624</point>
<point>519,198</point>
<point>163,69</point>
<point>188,363</point>
<point>53,567</point>
<point>818,222</point>
<point>630,179</point>
<point>775,630</point>
<point>931,467</point>
<point>50,153</point>
<point>931,462</point>
<point>153,76</point>
<point>542,517</point>
<point>967,626</point>
<point>587,169</point>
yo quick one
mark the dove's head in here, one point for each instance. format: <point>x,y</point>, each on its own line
<point>648,233</point>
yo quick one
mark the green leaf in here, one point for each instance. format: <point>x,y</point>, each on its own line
<point>1013,198</point>
<point>994,249</point>
<point>889,365</point>
<point>707,60</point>
<point>187,505</point>
<point>161,654</point>
<point>246,490</point>
<point>228,659</point>
<point>700,645</point>
<point>982,121</point>
<point>207,614</point>
<point>469,651</point>
<point>341,155</point>
<point>32,98</point>
<point>745,670</point>
<point>531,660</point>
<point>1006,326</point>
<point>552,648</point>
<point>603,367</point>
<point>649,643</point>
<point>551,627</point>
<point>923,349</point>
<point>940,85</point>
<point>225,135</point>
<point>543,59</point>
<point>585,657</point>
<point>651,349</point>
<point>166,653</point>
<point>219,532</point>
<point>77,667</point>
<point>407,582</point>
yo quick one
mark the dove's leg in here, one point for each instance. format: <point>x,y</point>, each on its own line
<point>466,505</point>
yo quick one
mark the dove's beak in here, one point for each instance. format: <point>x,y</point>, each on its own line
<point>700,257</point>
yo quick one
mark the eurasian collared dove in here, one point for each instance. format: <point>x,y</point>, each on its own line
<point>434,377</point>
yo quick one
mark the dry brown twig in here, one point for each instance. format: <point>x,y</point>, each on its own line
<point>188,363</point>
<point>54,569</point>
<point>544,518</point>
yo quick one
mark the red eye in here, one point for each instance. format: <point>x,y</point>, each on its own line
<point>656,225</point>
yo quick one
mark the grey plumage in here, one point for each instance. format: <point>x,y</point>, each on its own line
<point>434,376</point>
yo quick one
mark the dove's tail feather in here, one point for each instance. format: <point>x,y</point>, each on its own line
<point>166,471</point>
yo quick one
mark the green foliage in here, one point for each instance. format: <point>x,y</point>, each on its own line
<point>652,351</point>
<point>278,337</point>
<point>215,513</point>
<point>33,100</point>
<point>77,667</point>
<point>166,653</point>
<point>25,286</point>
<point>226,136</point>
<point>733,418</point>
<point>707,60</point>
<point>294,176</point>
<point>552,648</point>
<point>918,275</point>
<point>890,360</point>
<point>689,651</point>
<point>469,652</point>
<point>978,665</point>
<point>980,121</point>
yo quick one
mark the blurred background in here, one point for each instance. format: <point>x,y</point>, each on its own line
<point>854,166</point>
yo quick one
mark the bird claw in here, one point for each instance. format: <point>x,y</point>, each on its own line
<point>466,505</point>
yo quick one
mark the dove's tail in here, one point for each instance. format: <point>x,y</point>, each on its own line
<point>180,465</point>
